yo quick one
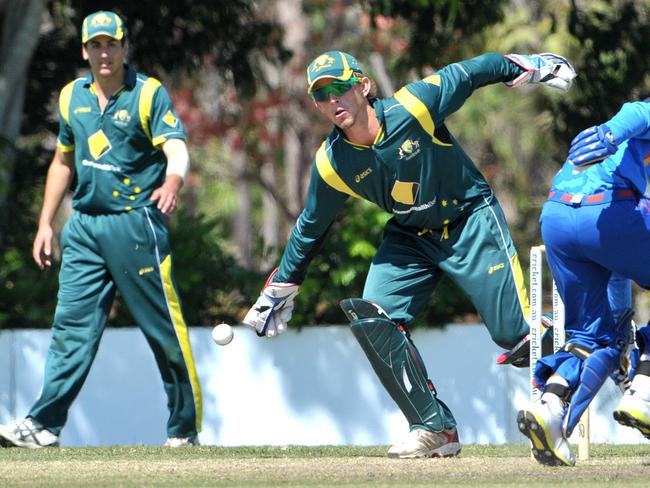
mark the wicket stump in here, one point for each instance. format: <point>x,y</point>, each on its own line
<point>536,306</point>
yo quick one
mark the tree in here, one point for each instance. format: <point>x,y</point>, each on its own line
<point>20,22</point>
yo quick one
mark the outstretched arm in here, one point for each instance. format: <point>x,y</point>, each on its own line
<point>273,309</point>
<point>445,91</point>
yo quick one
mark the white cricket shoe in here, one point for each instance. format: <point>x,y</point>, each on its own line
<point>544,429</point>
<point>27,433</point>
<point>634,411</point>
<point>423,443</point>
<point>182,441</point>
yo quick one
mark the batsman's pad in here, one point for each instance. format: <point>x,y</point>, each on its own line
<point>596,367</point>
<point>401,371</point>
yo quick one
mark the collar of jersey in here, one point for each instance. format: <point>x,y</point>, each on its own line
<point>379,138</point>
<point>130,79</point>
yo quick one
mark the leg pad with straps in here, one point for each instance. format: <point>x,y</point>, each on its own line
<point>398,364</point>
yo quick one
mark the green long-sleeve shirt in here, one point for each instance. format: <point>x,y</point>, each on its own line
<point>415,169</point>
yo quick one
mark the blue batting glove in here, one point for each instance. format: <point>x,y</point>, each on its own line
<point>592,145</point>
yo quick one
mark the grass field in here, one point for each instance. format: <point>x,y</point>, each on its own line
<point>505,465</point>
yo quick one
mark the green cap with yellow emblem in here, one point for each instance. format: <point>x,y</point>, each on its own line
<point>332,64</point>
<point>102,23</point>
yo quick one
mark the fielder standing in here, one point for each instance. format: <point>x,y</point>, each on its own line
<point>397,153</point>
<point>595,224</point>
<point>118,131</point>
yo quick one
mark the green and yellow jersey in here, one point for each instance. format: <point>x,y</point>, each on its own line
<point>415,169</point>
<point>118,159</point>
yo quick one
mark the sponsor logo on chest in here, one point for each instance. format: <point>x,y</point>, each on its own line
<point>362,175</point>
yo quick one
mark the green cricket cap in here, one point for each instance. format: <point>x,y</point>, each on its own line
<point>332,64</point>
<point>102,23</point>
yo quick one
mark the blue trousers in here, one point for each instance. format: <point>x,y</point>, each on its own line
<point>584,246</point>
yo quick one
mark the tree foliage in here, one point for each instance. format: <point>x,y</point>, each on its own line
<point>237,78</point>
<point>437,26</point>
<point>612,55</point>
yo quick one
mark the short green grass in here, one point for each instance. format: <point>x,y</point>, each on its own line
<point>297,466</point>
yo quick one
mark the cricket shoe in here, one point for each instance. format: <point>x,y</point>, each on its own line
<point>27,433</point>
<point>634,411</point>
<point>544,429</point>
<point>519,355</point>
<point>422,443</point>
<point>182,441</point>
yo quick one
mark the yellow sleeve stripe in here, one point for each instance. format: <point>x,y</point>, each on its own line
<point>65,98</point>
<point>65,149</point>
<point>156,141</point>
<point>419,110</point>
<point>174,306</point>
<point>146,101</point>
<point>433,79</point>
<point>327,172</point>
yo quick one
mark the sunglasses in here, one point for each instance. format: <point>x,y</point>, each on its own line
<point>335,88</point>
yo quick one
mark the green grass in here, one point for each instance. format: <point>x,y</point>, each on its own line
<point>296,466</point>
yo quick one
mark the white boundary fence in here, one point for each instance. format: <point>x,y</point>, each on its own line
<point>310,387</point>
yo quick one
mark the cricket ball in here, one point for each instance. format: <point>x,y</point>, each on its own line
<point>222,334</point>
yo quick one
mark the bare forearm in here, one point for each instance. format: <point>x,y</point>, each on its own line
<point>59,176</point>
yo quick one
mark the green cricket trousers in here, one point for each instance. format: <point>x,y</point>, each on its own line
<point>477,253</point>
<point>129,252</point>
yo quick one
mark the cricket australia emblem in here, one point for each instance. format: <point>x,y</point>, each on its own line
<point>101,20</point>
<point>122,117</point>
<point>409,149</point>
<point>322,62</point>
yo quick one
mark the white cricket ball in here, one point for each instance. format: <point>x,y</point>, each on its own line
<point>222,334</point>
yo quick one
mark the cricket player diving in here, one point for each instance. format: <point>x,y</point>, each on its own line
<point>596,228</point>
<point>119,133</point>
<point>397,153</point>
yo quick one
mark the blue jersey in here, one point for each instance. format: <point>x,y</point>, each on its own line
<point>629,167</point>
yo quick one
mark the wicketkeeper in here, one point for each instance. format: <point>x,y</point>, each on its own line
<point>596,223</point>
<point>397,153</point>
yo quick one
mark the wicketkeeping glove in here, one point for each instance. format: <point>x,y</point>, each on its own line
<point>273,309</point>
<point>592,145</point>
<point>545,68</point>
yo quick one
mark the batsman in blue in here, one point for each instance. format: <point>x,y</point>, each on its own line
<point>596,225</point>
